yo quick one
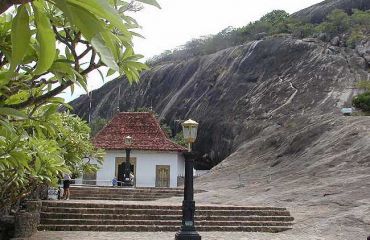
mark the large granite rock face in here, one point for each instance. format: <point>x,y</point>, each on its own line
<point>239,92</point>
<point>318,12</point>
<point>318,166</point>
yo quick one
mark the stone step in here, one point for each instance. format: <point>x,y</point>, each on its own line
<point>114,198</point>
<point>77,186</point>
<point>125,194</point>
<point>199,212</point>
<point>143,196</point>
<point>139,206</point>
<point>128,192</point>
<point>113,216</point>
<point>121,189</point>
<point>48,215</point>
<point>159,222</point>
<point>157,228</point>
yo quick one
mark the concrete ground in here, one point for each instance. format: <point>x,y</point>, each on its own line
<point>164,236</point>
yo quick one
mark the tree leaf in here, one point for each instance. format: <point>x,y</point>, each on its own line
<point>137,34</point>
<point>20,37</point>
<point>86,22</point>
<point>19,97</point>
<point>46,39</point>
<point>4,78</point>
<point>101,75</point>
<point>56,100</point>
<point>102,9</point>
<point>53,108</point>
<point>12,112</point>
<point>110,72</point>
<point>150,2</point>
<point>62,67</point>
<point>104,52</point>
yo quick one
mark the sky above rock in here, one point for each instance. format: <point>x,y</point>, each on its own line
<point>182,20</point>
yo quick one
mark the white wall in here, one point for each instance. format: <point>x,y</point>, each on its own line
<point>146,162</point>
<point>180,164</point>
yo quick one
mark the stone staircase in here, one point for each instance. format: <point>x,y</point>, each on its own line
<point>120,193</point>
<point>80,216</point>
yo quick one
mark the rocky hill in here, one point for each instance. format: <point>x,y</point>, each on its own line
<point>318,12</point>
<point>238,92</point>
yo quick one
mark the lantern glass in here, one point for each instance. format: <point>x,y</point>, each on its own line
<point>186,132</point>
<point>193,133</point>
<point>128,140</point>
<point>189,129</point>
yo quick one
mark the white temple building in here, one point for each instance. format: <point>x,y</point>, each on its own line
<point>155,160</point>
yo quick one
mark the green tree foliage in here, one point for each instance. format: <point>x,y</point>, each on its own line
<point>337,22</point>
<point>360,27</point>
<point>299,29</point>
<point>351,28</point>
<point>361,18</point>
<point>364,85</point>
<point>97,124</point>
<point>89,35</point>
<point>45,48</point>
<point>275,17</point>
<point>362,102</point>
<point>179,139</point>
<point>37,150</point>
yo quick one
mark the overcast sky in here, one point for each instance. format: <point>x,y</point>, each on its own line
<point>182,20</point>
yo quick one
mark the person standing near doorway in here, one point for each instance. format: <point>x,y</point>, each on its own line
<point>66,183</point>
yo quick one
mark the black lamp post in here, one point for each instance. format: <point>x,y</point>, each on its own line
<point>188,231</point>
<point>127,169</point>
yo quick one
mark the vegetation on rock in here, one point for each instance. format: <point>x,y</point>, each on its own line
<point>97,124</point>
<point>351,30</point>
<point>362,101</point>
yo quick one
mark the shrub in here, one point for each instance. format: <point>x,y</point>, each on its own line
<point>362,102</point>
<point>361,18</point>
<point>364,85</point>
<point>355,37</point>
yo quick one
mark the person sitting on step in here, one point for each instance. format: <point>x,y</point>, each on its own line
<point>132,178</point>
<point>114,182</point>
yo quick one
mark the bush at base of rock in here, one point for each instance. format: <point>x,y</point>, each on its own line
<point>362,102</point>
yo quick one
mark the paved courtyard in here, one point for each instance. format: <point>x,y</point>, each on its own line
<point>164,236</point>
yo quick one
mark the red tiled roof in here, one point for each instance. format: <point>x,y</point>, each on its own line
<point>144,129</point>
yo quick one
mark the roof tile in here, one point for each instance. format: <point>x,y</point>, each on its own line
<point>144,129</point>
